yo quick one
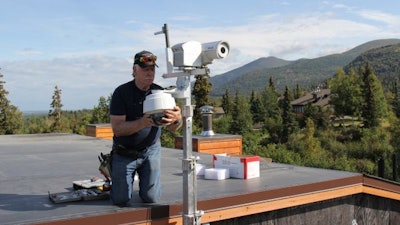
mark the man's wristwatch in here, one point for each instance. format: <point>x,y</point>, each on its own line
<point>178,122</point>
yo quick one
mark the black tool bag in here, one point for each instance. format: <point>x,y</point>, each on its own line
<point>105,165</point>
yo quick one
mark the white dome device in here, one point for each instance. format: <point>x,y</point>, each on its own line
<point>156,103</point>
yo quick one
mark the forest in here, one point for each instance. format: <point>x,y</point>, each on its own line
<point>358,131</point>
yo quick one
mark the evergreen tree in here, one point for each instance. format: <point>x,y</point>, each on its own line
<point>319,115</point>
<point>101,113</point>
<point>241,116</point>
<point>201,90</point>
<point>374,107</point>
<point>272,120</point>
<point>396,100</point>
<point>310,112</point>
<point>226,103</point>
<point>297,92</point>
<point>256,108</point>
<point>288,117</point>
<point>271,84</point>
<point>11,119</point>
<point>56,110</point>
<point>222,125</point>
<point>269,101</point>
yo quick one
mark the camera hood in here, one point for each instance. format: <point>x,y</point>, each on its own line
<point>157,102</point>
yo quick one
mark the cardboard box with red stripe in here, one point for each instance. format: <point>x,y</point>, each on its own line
<point>243,167</point>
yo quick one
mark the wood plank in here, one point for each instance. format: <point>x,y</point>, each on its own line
<point>262,206</point>
<point>217,144</point>
<point>100,131</point>
<point>381,193</point>
<point>230,151</point>
<point>266,206</point>
<point>227,145</point>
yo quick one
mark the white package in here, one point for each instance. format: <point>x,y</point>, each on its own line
<point>216,174</point>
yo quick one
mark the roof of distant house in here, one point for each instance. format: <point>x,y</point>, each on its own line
<point>319,97</point>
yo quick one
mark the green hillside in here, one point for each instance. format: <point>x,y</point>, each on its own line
<point>259,64</point>
<point>304,72</point>
<point>384,60</point>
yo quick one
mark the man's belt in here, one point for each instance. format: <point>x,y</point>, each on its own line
<point>121,150</point>
<point>132,153</point>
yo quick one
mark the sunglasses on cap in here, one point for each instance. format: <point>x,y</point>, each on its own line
<point>145,59</point>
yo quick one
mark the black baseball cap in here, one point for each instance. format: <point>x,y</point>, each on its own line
<point>145,59</point>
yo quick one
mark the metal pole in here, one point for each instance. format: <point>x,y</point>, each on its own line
<point>189,199</point>
<point>191,216</point>
<point>164,30</point>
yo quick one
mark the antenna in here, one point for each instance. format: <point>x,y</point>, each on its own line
<point>164,30</point>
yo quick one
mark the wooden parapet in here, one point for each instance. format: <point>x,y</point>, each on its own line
<point>100,131</point>
<point>215,144</point>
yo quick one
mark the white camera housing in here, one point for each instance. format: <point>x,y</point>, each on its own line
<point>214,50</point>
<point>157,102</point>
<point>187,54</point>
<point>196,54</point>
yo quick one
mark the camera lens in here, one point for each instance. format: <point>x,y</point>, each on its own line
<point>223,50</point>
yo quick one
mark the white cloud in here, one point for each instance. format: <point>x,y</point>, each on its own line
<point>286,37</point>
<point>89,71</point>
<point>82,80</point>
<point>341,6</point>
<point>386,18</point>
<point>28,52</point>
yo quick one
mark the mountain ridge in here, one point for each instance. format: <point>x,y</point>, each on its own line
<point>306,73</point>
<point>263,62</point>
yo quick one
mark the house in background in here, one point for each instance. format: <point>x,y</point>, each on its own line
<point>319,98</point>
<point>218,112</point>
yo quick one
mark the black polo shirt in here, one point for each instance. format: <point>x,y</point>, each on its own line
<point>127,100</point>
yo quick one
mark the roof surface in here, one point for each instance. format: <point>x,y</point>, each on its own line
<point>319,98</point>
<point>31,166</point>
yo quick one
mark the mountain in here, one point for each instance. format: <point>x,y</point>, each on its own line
<point>385,62</point>
<point>306,73</point>
<point>259,64</point>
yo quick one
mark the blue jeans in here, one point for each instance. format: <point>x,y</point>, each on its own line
<point>148,167</point>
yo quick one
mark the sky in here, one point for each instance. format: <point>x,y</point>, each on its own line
<point>86,47</point>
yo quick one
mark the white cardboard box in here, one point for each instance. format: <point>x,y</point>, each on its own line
<point>216,173</point>
<point>243,167</point>
<point>200,169</point>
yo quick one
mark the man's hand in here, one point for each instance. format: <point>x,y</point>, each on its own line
<point>146,121</point>
<point>121,127</point>
<point>173,118</point>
